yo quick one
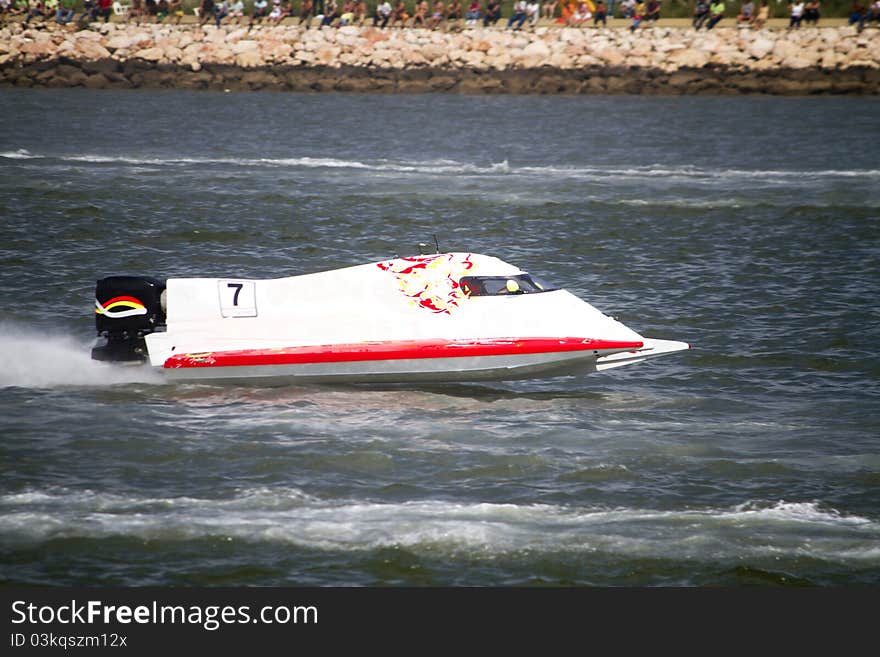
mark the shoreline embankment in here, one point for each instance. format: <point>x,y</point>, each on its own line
<point>661,60</point>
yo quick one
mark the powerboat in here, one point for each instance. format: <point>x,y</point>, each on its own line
<point>425,318</point>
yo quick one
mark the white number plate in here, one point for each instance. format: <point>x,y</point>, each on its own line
<point>237,298</point>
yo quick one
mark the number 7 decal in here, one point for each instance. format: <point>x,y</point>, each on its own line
<point>237,287</point>
<point>237,298</point>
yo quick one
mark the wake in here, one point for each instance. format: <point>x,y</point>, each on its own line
<point>453,167</point>
<point>32,357</point>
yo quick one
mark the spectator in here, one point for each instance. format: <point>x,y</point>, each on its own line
<point>453,12</point>
<point>548,10</point>
<point>533,11</point>
<point>236,11</point>
<point>746,13</point>
<point>873,13</point>
<point>260,11</point>
<point>811,12</point>
<point>601,14</point>
<point>399,15</point>
<point>34,10</point>
<point>90,10</point>
<point>763,15</point>
<point>356,16</point>
<point>275,14</point>
<point>716,13</point>
<point>66,11</point>
<point>221,11</point>
<point>135,11</point>
<point>796,14</point>
<point>518,16</point>
<point>105,8</point>
<point>19,8</point>
<point>346,16</point>
<point>161,10</point>
<point>420,15</point>
<point>473,13</point>
<point>493,13</point>
<point>580,16</point>
<point>382,15</point>
<point>306,9</point>
<point>858,14</point>
<point>206,11</point>
<point>638,15</point>
<point>360,12</point>
<point>175,9</point>
<point>346,13</point>
<point>438,15</point>
<point>331,13</point>
<point>652,10</point>
<point>566,10</point>
<point>628,8</point>
<point>701,13</point>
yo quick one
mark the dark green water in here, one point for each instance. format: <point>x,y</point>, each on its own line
<point>745,226</point>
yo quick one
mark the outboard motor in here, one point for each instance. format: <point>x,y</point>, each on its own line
<point>126,309</point>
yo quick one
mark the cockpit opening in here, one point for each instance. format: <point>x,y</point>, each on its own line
<point>490,286</point>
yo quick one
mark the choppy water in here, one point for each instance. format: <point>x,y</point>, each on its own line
<point>745,226</point>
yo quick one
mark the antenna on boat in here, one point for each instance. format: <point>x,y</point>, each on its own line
<point>423,248</point>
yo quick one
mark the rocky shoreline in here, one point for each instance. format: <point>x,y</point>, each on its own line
<point>827,60</point>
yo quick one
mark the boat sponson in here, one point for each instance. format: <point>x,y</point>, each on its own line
<point>397,351</point>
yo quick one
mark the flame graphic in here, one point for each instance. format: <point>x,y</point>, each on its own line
<point>130,305</point>
<point>431,281</point>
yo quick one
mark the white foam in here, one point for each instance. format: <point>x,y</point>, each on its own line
<point>289,515</point>
<point>696,173</point>
<point>20,154</point>
<point>35,358</point>
<point>796,512</point>
<point>446,166</point>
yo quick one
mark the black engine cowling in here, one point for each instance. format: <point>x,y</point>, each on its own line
<point>126,309</point>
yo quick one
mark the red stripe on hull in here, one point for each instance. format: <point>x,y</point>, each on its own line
<point>400,350</point>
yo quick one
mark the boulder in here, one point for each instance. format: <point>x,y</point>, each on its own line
<point>260,79</point>
<point>760,47</point>
<point>150,54</point>
<point>433,53</point>
<point>797,61</point>
<point>611,56</point>
<point>688,58</point>
<point>537,50</point>
<point>96,81</point>
<point>89,49</point>
<point>103,66</point>
<point>37,49</point>
<point>249,59</point>
<point>244,46</point>
<point>443,82</point>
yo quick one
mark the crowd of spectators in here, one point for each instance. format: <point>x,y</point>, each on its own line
<point>861,14</point>
<point>421,13</point>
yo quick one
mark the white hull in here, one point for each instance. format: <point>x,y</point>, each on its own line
<point>422,319</point>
